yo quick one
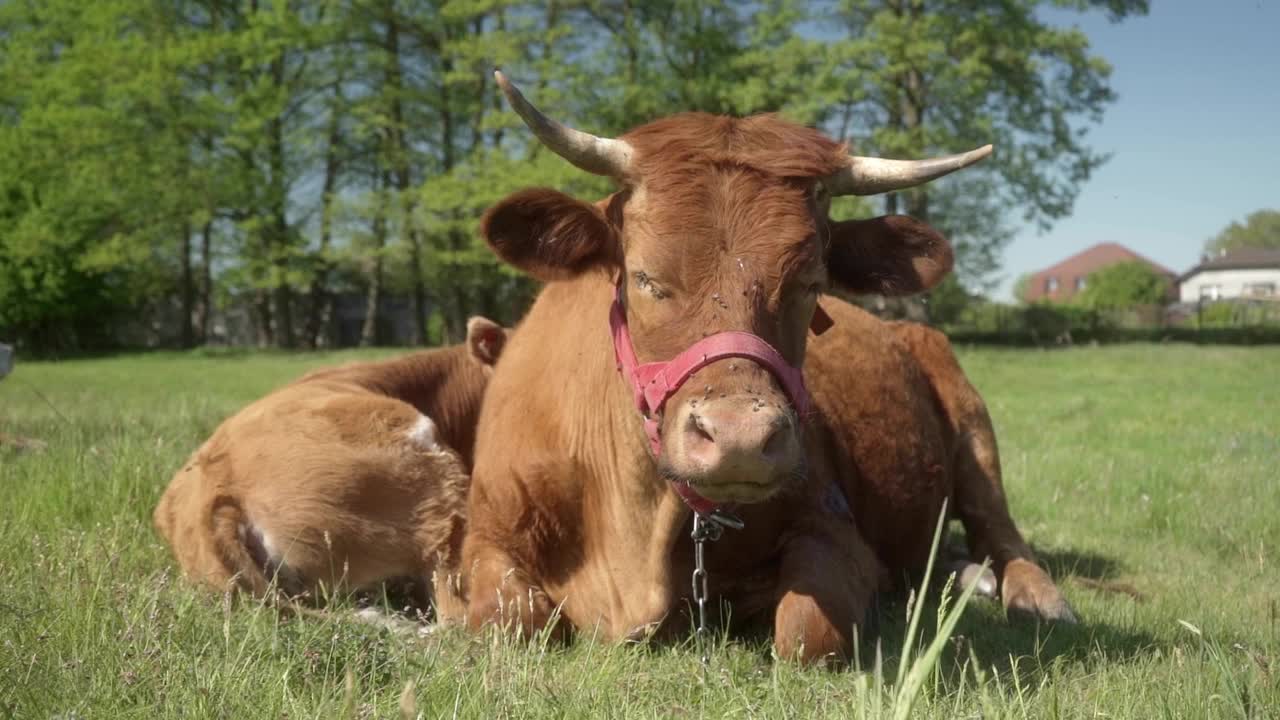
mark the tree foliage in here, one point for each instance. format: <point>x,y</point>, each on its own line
<point>1022,288</point>
<point>167,165</point>
<point>1124,285</point>
<point>1261,229</point>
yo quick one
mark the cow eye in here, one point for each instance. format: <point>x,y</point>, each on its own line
<point>644,282</point>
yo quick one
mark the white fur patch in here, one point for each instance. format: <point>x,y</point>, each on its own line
<point>969,572</point>
<point>423,434</point>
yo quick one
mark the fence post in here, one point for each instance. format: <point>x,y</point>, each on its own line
<point>6,360</point>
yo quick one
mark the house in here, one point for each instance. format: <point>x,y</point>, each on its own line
<point>1244,273</point>
<point>1061,282</point>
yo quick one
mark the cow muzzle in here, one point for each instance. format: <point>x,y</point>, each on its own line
<point>739,447</point>
<point>731,448</point>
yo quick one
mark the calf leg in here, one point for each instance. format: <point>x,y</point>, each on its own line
<point>825,586</point>
<point>978,493</point>
<point>499,592</point>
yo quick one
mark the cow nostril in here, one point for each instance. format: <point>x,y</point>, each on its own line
<point>698,427</point>
<point>776,444</point>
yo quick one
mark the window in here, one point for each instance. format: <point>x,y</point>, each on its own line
<point>1263,289</point>
<point>1210,292</point>
<point>1080,283</point>
<point>1051,284</point>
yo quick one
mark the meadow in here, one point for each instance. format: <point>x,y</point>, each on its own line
<point>1146,476</point>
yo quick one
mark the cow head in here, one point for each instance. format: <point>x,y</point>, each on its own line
<point>721,225</point>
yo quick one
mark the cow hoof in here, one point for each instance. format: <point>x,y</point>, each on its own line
<point>1028,591</point>
<point>967,573</point>
<point>641,634</point>
<point>524,616</point>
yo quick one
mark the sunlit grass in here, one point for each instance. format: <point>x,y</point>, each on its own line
<point>1146,476</point>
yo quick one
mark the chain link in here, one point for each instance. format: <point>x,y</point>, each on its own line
<point>706,529</point>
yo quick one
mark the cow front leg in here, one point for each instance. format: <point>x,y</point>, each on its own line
<point>500,592</point>
<point>825,587</point>
<point>1025,587</point>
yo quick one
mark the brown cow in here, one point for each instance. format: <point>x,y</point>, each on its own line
<point>908,430</point>
<point>578,502</point>
<point>342,480</point>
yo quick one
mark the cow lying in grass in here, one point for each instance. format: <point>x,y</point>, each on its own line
<point>906,431</point>
<point>342,480</point>
<point>658,373</point>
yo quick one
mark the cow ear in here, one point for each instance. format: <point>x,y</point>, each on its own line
<point>888,255</point>
<point>550,235</point>
<point>485,340</point>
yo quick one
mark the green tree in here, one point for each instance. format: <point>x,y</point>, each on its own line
<point>1261,229</point>
<point>1022,287</point>
<point>98,187</point>
<point>1124,285</point>
<point>909,78</point>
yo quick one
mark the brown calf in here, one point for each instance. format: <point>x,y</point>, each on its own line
<point>908,430</point>
<point>720,226</point>
<point>344,479</point>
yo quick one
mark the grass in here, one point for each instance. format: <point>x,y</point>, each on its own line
<point>1146,476</point>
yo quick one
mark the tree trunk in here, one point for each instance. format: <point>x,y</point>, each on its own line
<point>373,296</point>
<point>279,233</point>
<point>262,308</point>
<point>319,291</point>
<point>206,283</point>
<point>409,233</point>
<point>188,289</point>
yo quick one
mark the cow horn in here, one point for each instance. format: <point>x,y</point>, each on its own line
<point>870,176</point>
<point>602,156</point>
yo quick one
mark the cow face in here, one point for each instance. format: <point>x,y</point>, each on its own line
<point>721,225</point>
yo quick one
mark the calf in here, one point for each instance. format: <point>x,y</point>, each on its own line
<point>344,479</point>
<point>907,430</point>
<point>657,375</point>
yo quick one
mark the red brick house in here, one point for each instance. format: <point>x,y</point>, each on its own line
<point>1061,282</point>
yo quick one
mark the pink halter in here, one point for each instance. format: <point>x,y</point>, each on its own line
<point>652,384</point>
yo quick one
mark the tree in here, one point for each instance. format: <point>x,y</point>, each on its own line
<point>1124,285</point>
<point>1261,229</point>
<point>1022,288</point>
<point>910,78</point>
<point>269,155</point>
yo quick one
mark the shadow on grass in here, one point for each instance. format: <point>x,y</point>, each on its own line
<point>1063,563</point>
<point>1021,646</point>
<point>1001,643</point>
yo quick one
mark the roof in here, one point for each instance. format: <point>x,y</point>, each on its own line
<point>1238,259</point>
<point>1069,275</point>
<point>1100,255</point>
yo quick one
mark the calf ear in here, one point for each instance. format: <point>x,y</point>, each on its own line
<point>550,235</point>
<point>888,255</point>
<point>485,340</point>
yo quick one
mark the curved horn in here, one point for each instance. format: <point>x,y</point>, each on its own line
<point>602,156</point>
<point>870,176</point>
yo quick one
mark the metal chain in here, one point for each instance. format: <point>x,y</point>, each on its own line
<point>706,529</point>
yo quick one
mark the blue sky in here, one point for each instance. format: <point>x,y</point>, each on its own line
<point>1195,133</point>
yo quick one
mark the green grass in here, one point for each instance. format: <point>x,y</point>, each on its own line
<point>1147,469</point>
